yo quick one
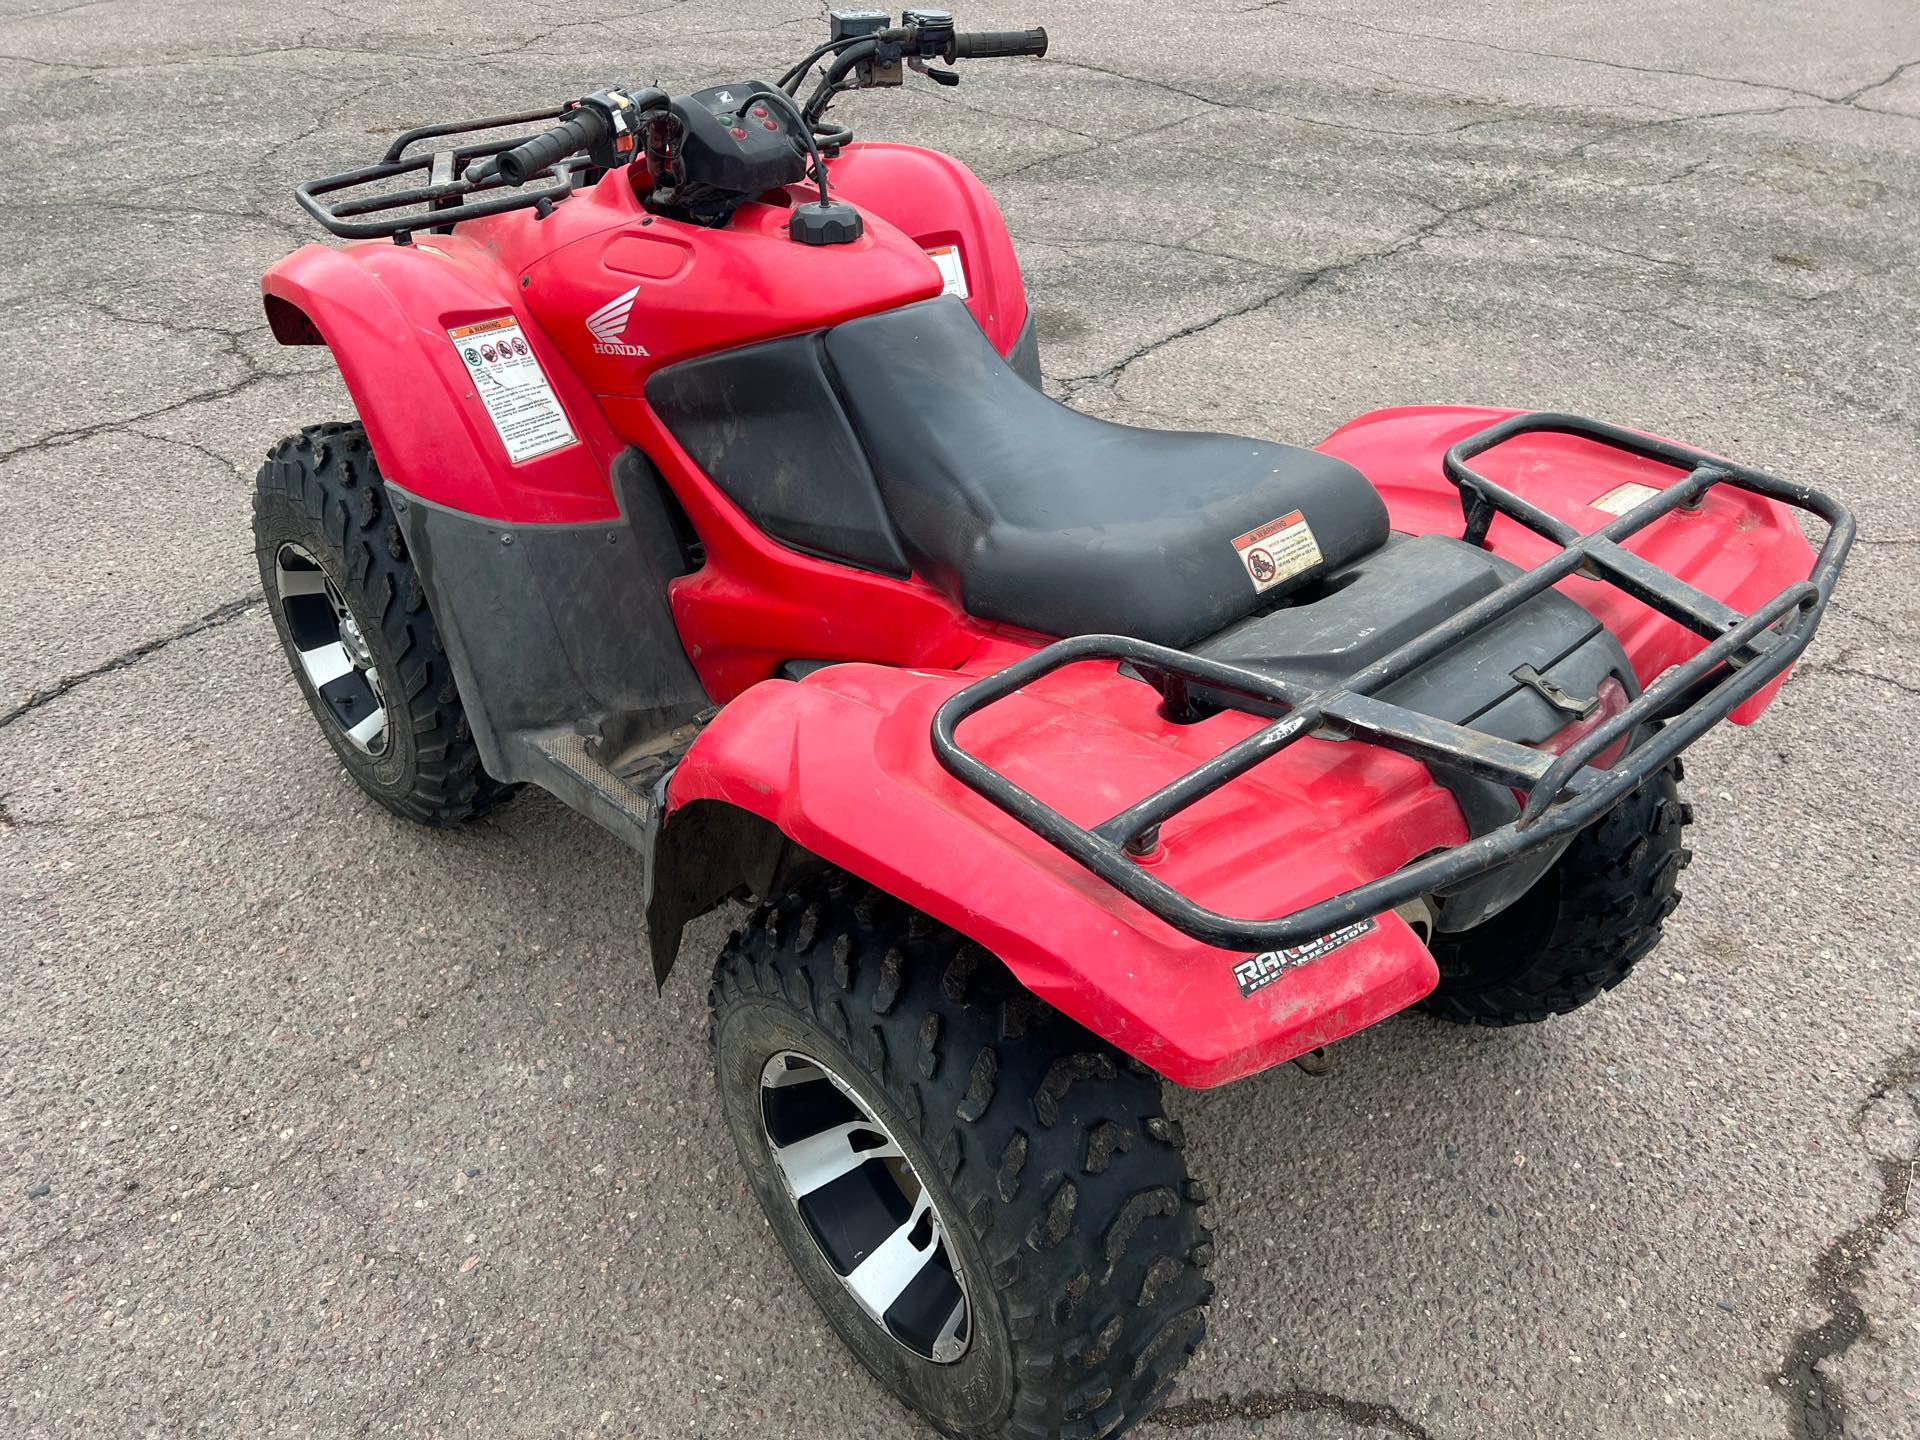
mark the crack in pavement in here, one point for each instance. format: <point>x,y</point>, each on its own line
<point>1817,1410</point>
<point>1842,664</point>
<point>1265,1405</point>
<point>60,439</point>
<point>221,614</point>
<point>119,207</point>
<point>232,345</point>
<point>225,462</point>
<point>1845,99</point>
<point>1073,386</point>
<point>53,11</point>
<point>1299,283</point>
<point>1852,96</point>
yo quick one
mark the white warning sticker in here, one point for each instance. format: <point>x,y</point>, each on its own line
<point>1278,550</point>
<point>1623,498</point>
<point>946,259</point>
<point>510,383</point>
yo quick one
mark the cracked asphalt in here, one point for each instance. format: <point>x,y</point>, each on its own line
<point>312,1123</point>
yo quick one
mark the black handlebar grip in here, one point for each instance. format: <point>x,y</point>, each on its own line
<point>999,44</point>
<point>581,130</point>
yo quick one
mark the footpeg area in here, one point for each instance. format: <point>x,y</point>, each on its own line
<point>578,777</point>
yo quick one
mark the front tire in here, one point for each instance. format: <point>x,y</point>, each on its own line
<point>1021,1169</point>
<point>352,613</point>
<point>1595,914</point>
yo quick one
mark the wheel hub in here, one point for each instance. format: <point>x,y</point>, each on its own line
<point>331,649</point>
<point>355,642</point>
<point>862,1201</point>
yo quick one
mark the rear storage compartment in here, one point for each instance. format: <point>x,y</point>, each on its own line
<point>1543,673</point>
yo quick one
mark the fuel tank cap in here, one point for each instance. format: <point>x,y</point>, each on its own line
<point>833,222</point>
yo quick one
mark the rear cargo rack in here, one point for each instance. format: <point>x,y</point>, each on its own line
<point>1562,793</point>
<point>447,197</point>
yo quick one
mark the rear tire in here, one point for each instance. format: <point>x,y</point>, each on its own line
<point>1582,927</point>
<point>331,553</point>
<point>1057,1185</point>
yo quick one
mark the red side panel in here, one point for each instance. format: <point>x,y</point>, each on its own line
<point>935,201</point>
<point>1741,549</point>
<point>841,763</point>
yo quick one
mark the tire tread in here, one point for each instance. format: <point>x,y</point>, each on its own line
<point>1058,1154</point>
<point>327,473</point>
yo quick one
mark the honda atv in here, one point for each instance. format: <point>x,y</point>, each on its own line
<point>703,478</point>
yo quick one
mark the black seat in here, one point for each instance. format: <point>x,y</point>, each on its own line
<point>1031,513</point>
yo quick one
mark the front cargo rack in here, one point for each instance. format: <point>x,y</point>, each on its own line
<point>1561,793</point>
<point>447,197</point>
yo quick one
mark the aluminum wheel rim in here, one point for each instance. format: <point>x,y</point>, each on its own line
<point>331,650</point>
<point>871,1218</point>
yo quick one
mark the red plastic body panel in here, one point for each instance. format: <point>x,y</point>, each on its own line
<point>935,200</point>
<point>697,290</point>
<point>755,603</point>
<point>841,763</point>
<point>1739,548</point>
<point>384,310</point>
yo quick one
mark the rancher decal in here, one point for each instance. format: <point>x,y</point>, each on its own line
<point>1258,971</point>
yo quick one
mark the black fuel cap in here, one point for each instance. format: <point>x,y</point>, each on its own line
<point>834,223</point>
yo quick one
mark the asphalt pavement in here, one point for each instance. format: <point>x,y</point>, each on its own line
<point>315,1123</point>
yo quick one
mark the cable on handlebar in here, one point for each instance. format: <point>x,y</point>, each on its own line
<point>790,81</point>
<point>786,102</point>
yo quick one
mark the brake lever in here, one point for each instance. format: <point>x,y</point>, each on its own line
<point>943,77</point>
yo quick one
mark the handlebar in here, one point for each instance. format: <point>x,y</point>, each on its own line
<point>998,44</point>
<point>603,125</point>
<point>583,129</point>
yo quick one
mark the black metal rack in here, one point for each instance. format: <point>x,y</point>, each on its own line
<point>1563,793</point>
<point>447,197</point>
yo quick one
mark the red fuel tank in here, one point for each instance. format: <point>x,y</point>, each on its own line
<point>649,291</point>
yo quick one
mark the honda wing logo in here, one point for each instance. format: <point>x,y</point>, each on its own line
<point>608,326</point>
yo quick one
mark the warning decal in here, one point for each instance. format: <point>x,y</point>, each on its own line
<point>1278,550</point>
<point>946,259</point>
<point>1258,971</point>
<point>510,383</point>
<point>1623,498</point>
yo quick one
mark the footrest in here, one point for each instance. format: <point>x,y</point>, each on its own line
<point>578,777</point>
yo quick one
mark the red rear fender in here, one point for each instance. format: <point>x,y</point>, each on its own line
<point>842,764</point>
<point>1739,548</point>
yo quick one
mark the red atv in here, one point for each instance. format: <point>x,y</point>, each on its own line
<point>703,478</point>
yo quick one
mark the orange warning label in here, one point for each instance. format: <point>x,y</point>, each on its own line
<point>1277,550</point>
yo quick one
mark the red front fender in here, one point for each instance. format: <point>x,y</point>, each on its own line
<point>384,311</point>
<point>841,763</point>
